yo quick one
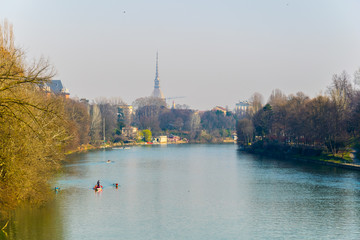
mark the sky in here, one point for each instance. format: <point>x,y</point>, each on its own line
<point>211,53</point>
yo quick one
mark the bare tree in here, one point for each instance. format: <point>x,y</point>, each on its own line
<point>148,110</point>
<point>357,77</point>
<point>277,98</point>
<point>96,123</point>
<point>245,131</point>
<point>341,90</point>
<point>256,101</point>
<point>195,122</point>
<point>149,101</point>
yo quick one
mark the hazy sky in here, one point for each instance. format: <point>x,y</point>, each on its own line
<point>211,52</point>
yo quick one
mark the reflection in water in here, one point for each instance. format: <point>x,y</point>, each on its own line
<point>36,223</point>
<point>195,192</point>
<point>321,200</point>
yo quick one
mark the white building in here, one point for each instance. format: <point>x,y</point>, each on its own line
<point>242,106</point>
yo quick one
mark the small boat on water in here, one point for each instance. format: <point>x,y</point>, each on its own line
<point>98,187</point>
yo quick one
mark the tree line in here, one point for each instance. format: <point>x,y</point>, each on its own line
<point>197,126</point>
<point>329,122</point>
<point>33,126</point>
<point>103,120</point>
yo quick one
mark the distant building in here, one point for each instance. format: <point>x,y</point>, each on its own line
<point>130,132</point>
<point>173,138</point>
<point>157,91</point>
<point>56,87</point>
<point>234,136</point>
<point>163,139</point>
<point>219,109</point>
<point>243,106</point>
<point>84,100</point>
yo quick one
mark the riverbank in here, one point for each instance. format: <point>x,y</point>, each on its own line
<point>331,163</point>
<point>90,147</point>
<point>314,159</point>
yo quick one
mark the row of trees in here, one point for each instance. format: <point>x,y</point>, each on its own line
<point>34,128</point>
<point>104,120</point>
<point>152,113</point>
<point>329,122</point>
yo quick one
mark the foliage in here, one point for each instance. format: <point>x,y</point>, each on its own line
<point>175,119</point>
<point>33,129</point>
<point>152,113</point>
<point>245,131</point>
<point>105,121</point>
<point>211,120</point>
<point>78,123</point>
<point>329,122</point>
<point>146,135</point>
<point>262,120</point>
<point>148,110</point>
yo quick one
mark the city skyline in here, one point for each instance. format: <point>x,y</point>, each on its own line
<point>212,53</point>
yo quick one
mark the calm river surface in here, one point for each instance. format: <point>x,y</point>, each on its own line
<point>194,192</point>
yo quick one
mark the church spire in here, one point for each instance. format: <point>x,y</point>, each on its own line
<point>157,66</point>
<point>157,91</point>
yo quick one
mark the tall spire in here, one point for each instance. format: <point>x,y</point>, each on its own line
<point>157,66</point>
<point>157,91</point>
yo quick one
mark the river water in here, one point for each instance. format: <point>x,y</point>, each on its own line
<point>194,192</point>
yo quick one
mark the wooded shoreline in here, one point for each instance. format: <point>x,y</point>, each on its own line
<point>283,156</point>
<point>89,147</point>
